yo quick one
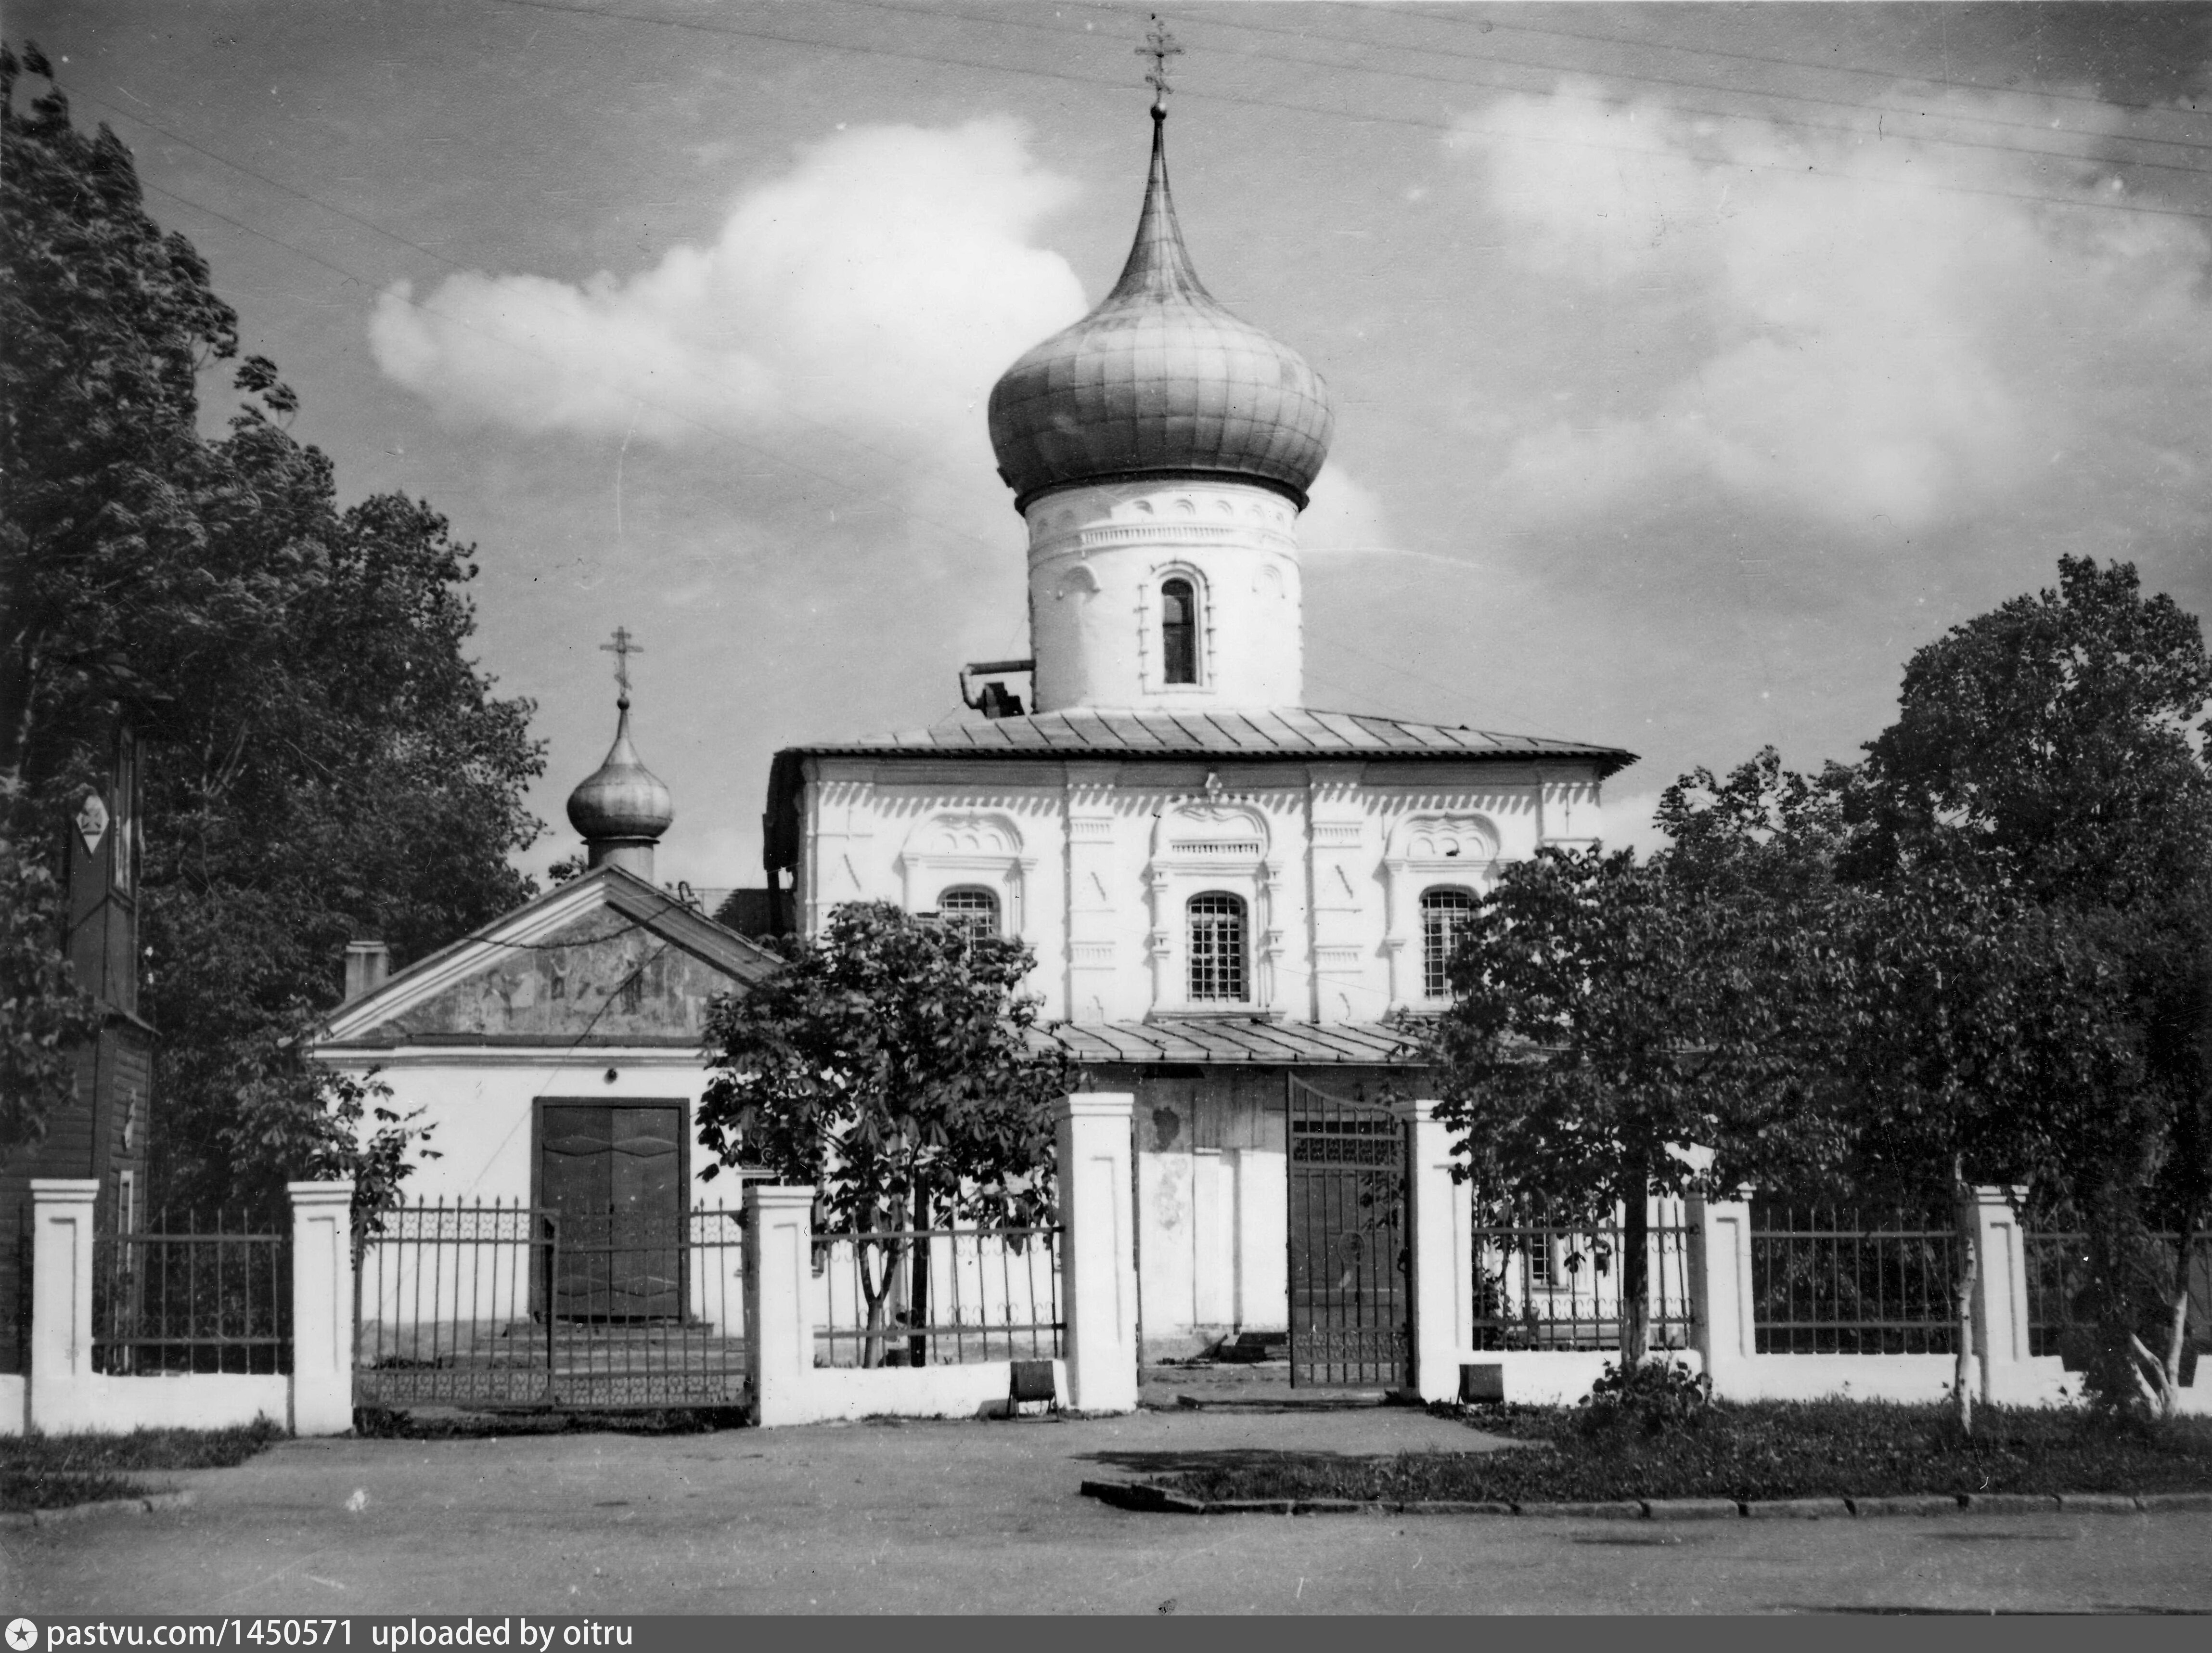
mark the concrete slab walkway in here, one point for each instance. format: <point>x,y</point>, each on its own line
<point>984,1518</point>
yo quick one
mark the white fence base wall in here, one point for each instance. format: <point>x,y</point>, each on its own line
<point>1838,1376</point>
<point>980,1390</point>
<point>1544,1378</point>
<point>99,1405</point>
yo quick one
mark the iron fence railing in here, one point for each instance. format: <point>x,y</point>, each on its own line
<point>979,1294</point>
<point>2060,1315</point>
<point>183,1299</point>
<point>1837,1280</point>
<point>493,1304</point>
<point>1544,1281</point>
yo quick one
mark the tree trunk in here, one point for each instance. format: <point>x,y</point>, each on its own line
<point>917,1299</point>
<point>1636,1271</point>
<point>2167,1368</point>
<point>1963,1374</point>
<point>2114,1377</point>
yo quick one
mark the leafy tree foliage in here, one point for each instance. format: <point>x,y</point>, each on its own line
<point>323,762</point>
<point>1615,1033</point>
<point>1983,955</point>
<point>2038,824</point>
<point>890,1065</point>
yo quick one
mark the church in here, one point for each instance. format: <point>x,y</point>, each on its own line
<point>1233,898</point>
<point>1228,891</point>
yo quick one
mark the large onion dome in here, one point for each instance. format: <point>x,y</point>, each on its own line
<point>1159,380</point>
<point>622,801</point>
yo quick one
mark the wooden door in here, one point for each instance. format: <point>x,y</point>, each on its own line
<point>613,1176</point>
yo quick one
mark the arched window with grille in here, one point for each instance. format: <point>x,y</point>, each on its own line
<point>1178,632</point>
<point>1217,947</point>
<point>971,909</point>
<point>1444,917</point>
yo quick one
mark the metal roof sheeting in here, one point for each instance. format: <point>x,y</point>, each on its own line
<point>1291,733</point>
<point>1243,1040</point>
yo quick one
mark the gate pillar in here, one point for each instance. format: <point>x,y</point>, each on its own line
<point>61,1303</point>
<point>1098,1272</point>
<point>2001,1319</point>
<point>1726,1330</point>
<point>322,1307</point>
<point>779,1327</point>
<point>1440,1232</point>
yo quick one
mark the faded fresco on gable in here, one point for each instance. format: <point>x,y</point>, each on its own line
<point>602,976</point>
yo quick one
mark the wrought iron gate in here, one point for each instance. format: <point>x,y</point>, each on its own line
<point>1350,1270</point>
<point>492,1305</point>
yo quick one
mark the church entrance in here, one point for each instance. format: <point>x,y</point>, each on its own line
<point>1350,1267</point>
<point>611,1174</point>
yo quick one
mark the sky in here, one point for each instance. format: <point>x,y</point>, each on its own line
<point>1693,365</point>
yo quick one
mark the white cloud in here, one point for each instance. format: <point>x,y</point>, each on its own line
<point>875,290</point>
<point>1869,334</point>
<point>1624,822</point>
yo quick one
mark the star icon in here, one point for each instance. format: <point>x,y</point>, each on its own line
<point>22,1635</point>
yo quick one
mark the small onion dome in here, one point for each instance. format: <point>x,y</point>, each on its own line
<point>621,800</point>
<point>1159,380</point>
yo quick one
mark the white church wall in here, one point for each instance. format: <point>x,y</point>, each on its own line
<point>1094,865</point>
<point>482,1102</point>
<point>1099,556</point>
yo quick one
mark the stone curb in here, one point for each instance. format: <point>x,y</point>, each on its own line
<point>1158,1500</point>
<point>146,1505</point>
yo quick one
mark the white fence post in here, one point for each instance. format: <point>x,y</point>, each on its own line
<point>61,1301</point>
<point>1720,1288</point>
<point>2001,1294</point>
<point>1439,1225</point>
<point>779,1326</point>
<point>322,1307</point>
<point>1098,1264</point>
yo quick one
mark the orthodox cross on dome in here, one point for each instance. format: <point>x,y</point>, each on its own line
<point>1159,46</point>
<point>622,649</point>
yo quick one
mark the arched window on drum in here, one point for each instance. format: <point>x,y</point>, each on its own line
<point>1217,948</point>
<point>1445,915</point>
<point>1178,632</point>
<point>971,909</point>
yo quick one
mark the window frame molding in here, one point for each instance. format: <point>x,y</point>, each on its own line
<point>1152,629</point>
<point>1417,859</point>
<point>927,871</point>
<point>1205,844</point>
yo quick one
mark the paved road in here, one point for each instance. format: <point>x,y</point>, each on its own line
<point>979,1518</point>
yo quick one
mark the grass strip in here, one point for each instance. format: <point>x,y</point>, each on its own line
<point>1763,1452</point>
<point>51,1472</point>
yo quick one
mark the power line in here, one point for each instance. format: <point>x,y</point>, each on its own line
<point>1427,15</point>
<point>1616,74</point>
<point>1418,122</point>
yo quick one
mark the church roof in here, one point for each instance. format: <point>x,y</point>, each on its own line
<point>1159,380</point>
<point>1244,1040</point>
<point>1287,733</point>
<point>604,959</point>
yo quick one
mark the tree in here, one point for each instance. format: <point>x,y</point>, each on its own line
<point>105,322</point>
<point>890,1065</point>
<point>1612,1036</point>
<point>2044,787</point>
<point>323,760</point>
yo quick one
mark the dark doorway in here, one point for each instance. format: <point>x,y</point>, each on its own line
<point>1350,1265</point>
<point>611,1175</point>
